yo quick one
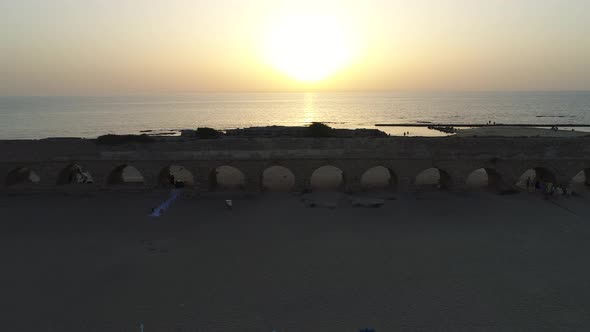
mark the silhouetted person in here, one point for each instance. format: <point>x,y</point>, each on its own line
<point>528,183</point>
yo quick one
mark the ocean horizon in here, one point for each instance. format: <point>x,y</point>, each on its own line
<point>89,117</point>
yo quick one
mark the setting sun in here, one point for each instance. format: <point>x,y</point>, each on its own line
<point>309,48</point>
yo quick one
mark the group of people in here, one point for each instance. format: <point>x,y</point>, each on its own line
<point>548,188</point>
<point>77,175</point>
<point>175,182</point>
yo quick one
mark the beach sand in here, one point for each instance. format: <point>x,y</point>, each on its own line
<point>519,132</point>
<point>422,262</point>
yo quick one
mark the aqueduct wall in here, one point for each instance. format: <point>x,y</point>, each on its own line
<point>506,158</point>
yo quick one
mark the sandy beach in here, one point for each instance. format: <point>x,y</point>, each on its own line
<point>421,262</point>
<point>493,131</point>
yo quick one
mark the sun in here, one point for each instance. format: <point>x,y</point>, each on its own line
<point>309,48</point>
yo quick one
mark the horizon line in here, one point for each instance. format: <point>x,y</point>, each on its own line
<point>187,93</point>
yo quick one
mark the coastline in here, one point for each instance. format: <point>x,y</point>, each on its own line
<point>383,131</point>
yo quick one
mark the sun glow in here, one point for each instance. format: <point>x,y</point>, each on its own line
<point>309,48</point>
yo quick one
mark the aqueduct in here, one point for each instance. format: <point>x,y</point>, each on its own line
<point>48,164</point>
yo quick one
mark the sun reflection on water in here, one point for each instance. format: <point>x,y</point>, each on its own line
<point>309,111</point>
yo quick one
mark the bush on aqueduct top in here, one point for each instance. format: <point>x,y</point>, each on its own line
<point>318,129</point>
<point>207,133</point>
<point>123,139</point>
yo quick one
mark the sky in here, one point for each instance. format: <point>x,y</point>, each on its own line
<point>118,47</point>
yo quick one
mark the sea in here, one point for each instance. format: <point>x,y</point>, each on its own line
<point>89,117</point>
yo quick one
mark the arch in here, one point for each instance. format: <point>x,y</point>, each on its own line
<point>327,178</point>
<point>74,174</point>
<point>125,174</point>
<point>22,176</point>
<point>484,178</point>
<point>227,178</point>
<point>536,174</point>
<point>433,178</point>
<point>378,178</point>
<point>176,176</point>
<point>278,178</point>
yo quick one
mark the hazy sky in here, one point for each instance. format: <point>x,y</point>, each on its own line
<point>105,47</point>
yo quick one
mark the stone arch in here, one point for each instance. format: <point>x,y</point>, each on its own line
<point>176,176</point>
<point>378,178</point>
<point>278,178</point>
<point>540,174</point>
<point>125,175</point>
<point>327,178</point>
<point>227,178</point>
<point>433,178</point>
<point>74,174</point>
<point>484,178</point>
<point>22,176</point>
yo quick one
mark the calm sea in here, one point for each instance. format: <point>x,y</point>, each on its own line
<point>41,117</point>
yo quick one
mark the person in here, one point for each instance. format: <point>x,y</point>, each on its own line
<point>559,191</point>
<point>528,184</point>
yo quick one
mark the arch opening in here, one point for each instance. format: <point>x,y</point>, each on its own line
<point>74,174</point>
<point>378,178</point>
<point>536,178</point>
<point>22,176</point>
<point>433,178</point>
<point>227,178</point>
<point>125,175</point>
<point>176,176</point>
<point>327,178</point>
<point>582,180</point>
<point>278,179</point>
<point>484,178</point>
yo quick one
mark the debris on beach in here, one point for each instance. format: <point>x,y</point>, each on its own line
<point>328,200</point>
<point>333,200</point>
<point>367,202</point>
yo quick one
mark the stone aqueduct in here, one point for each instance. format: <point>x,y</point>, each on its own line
<point>504,159</point>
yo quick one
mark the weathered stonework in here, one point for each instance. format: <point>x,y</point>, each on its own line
<point>506,158</point>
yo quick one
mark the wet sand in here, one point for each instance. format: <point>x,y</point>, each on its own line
<point>422,262</point>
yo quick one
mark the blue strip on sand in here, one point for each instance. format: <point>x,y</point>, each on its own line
<point>157,212</point>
